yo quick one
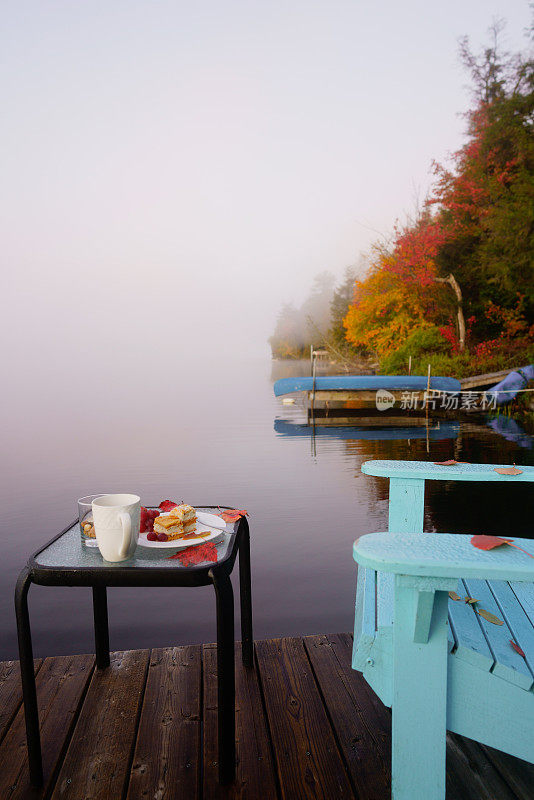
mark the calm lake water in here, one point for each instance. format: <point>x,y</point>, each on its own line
<point>224,439</point>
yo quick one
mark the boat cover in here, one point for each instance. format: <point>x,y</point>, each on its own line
<point>512,383</point>
<point>392,383</point>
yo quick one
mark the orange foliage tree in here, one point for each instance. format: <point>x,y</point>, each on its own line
<point>393,300</point>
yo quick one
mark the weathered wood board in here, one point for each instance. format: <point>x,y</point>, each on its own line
<point>307,727</point>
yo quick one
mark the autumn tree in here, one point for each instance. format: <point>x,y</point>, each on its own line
<point>485,200</point>
<point>465,266</point>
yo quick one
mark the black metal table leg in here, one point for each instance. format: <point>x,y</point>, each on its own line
<point>100,614</point>
<point>27,672</point>
<point>225,675</point>
<point>245,595</point>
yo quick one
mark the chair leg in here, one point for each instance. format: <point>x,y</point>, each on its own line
<point>27,672</point>
<point>245,596</point>
<point>225,676</point>
<point>419,695</point>
<point>100,615</point>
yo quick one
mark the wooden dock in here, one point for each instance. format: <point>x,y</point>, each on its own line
<point>307,726</point>
<point>485,381</point>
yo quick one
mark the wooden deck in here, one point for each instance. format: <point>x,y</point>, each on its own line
<point>484,381</point>
<point>307,726</point>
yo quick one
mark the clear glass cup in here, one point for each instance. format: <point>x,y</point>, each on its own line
<point>85,515</point>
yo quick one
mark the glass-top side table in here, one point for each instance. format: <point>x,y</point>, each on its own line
<point>65,561</point>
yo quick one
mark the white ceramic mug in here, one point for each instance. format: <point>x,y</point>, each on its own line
<point>117,519</point>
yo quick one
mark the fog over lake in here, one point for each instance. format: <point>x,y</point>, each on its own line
<point>171,175</point>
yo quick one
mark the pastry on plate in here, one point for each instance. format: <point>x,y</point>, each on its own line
<point>178,522</point>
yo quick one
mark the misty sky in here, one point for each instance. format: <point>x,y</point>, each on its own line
<point>173,171</point>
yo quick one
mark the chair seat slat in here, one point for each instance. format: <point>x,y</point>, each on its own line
<point>509,665</point>
<point>471,644</point>
<point>516,618</point>
<point>525,594</point>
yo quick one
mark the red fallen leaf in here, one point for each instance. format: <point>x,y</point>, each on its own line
<point>449,463</point>
<point>508,470</point>
<point>196,555</point>
<point>484,542</point>
<point>517,648</point>
<point>489,616</point>
<point>167,505</point>
<point>233,514</point>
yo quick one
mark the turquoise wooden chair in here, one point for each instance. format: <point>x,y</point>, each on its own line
<point>435,661</point>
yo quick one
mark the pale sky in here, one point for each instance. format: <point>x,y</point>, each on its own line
<point>172,172</point>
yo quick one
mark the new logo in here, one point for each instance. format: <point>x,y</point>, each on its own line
<point>384,400</point>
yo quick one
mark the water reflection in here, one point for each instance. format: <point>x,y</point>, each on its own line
<point>439,430</point>
<point>450,506</point>
<point>512,431</point>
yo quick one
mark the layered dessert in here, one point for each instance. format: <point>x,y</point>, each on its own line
<point>180,521</point>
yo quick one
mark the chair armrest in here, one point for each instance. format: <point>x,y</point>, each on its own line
<point>443,555</point>
<point>427,470</point>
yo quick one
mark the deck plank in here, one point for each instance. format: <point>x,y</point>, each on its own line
<point>61,683</point>
<point>10,692</point>
<point>308,761</point>
<point>307,726</point>
<point>166,761</point>
<point>517,774</point>
<point>470,775</point>
<point>97,762</point>
<point>255,776</point>
<point>360,715</point>
<point>363,727</point>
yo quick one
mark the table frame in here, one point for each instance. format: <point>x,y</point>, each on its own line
<point>99,578</point>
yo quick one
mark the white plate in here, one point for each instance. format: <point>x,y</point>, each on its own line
<point>179,544</point>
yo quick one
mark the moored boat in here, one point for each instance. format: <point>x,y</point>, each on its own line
<point>364,392</point>
<point>359,383</point>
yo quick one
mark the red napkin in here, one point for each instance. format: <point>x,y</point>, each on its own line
<point>197,555</point>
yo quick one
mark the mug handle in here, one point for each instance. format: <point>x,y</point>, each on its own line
<point>126,522</point>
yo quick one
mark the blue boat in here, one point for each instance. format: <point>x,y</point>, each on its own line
<point>364,383</point>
